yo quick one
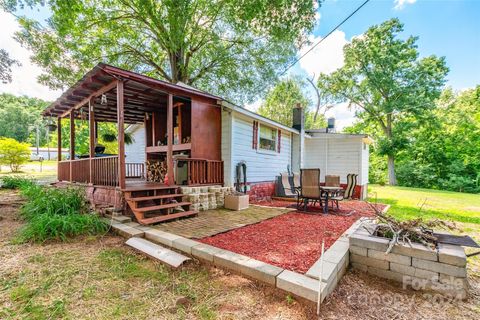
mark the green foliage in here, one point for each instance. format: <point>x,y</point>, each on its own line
<point>16,182</point>
<point>391,87</point>
<point>56,214</point>
<point>19,117</point>
<point>281,100</point>
<point>443,153</point>
<point>229,47</point>
<point>13,153</point>
<point>6,64</point>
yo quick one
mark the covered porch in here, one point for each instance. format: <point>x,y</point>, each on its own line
<point>186,152</point>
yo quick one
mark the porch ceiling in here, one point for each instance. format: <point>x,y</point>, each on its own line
<point>142,95</point>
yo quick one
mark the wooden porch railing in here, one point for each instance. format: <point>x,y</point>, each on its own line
<point>63,172</point>
<point>105,171</point>
<point>135,170</point>
<point>202,171</point>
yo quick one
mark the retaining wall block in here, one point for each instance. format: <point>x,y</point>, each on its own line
<point>184,244</point>
<point>205,252</point>
<point>300,285</point>
<point>359,251</point>
<point>450,254</point>
<point>440,267</point>
<point>392,257</point>
<point>371,262</point>
<point>416,250</point>
<point>370,242</point>
<point>161,237</point>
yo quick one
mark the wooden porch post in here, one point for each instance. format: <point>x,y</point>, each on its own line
<point>72,142</point>
<point>59,139</point>
<point>170,139</point>
<point>91,126</point>
<point>121,135</point>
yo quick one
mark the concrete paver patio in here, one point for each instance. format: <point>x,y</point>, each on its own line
<point>212,222</point>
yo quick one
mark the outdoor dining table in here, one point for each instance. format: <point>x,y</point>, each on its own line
<point>329,192</point>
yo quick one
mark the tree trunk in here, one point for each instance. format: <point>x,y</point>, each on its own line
<point>392,179</point>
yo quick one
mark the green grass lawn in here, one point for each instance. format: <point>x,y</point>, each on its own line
<point>46,172</point>
<point>446,205</point>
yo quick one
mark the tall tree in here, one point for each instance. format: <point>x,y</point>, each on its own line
<point>281,100</point>
<point>20,118</point>
<point>384,78</point>
<point>6,63</point>
<point>228,47</point>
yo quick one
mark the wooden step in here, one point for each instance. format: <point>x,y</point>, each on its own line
<point>148,186</point>
<point>162,206</point>
<point>163,196</point>
<point>169,257</point>
<point>167,217</point>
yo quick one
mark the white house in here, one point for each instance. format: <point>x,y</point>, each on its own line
<point>268,148</point>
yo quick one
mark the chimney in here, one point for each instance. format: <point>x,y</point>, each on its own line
<point>298,117</point>
<point>331,125</point>
<point>298,140</point>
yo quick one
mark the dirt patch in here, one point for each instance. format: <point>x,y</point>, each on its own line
<point>291,241</point>
<point>100,278</point>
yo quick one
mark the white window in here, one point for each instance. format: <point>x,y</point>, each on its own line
<point>267,138</point>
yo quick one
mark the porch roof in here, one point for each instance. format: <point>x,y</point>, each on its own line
<point>141,94</point>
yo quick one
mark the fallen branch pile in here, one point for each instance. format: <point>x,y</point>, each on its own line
<point>408,231</point>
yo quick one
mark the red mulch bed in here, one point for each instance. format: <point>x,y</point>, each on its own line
<point>293,240</point>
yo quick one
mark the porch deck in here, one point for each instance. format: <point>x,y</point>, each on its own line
<point>142,185</point>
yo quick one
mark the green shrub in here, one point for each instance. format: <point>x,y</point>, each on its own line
<point>13,153</point>
<point>57,214</point>
<point>15,182</point>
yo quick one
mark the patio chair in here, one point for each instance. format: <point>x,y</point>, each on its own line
<point>332,181</point>
<point>349,190</point>
<point>287,187</point>
<point>296,181</point>
<point>310,186</point>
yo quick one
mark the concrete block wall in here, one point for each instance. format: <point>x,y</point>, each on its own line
<point>442,269</point>
<point>206,197</point>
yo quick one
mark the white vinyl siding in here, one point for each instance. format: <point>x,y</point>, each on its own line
<point>135,152</point>
<point>227,127</point>
<point>336,156</point>
<point>261,165</point>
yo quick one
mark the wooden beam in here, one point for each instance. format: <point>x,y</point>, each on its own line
<point>121,135</point>
<point>72,142</point>
<point>91,127</point>
<point>170,140</point>
<point>95,94</point>
<point>59,139</point>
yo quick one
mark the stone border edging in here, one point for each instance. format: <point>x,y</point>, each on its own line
<point>292,282</point>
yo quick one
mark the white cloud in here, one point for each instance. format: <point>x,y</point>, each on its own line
<point>24,76</point>
<point>400,4</point>
<point>325,57</point>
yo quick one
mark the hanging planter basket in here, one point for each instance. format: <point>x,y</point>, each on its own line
<point>51,127</point>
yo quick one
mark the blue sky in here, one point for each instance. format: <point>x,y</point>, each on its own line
<point>445,28</point>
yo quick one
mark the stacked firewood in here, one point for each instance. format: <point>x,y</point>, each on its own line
<point>156,171</point>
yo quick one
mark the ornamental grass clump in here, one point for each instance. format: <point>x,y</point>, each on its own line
<point>16,182</point>
<point>57,214</point>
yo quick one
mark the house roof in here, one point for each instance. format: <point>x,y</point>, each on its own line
<point>258,117</point>
<point>142,93</point>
